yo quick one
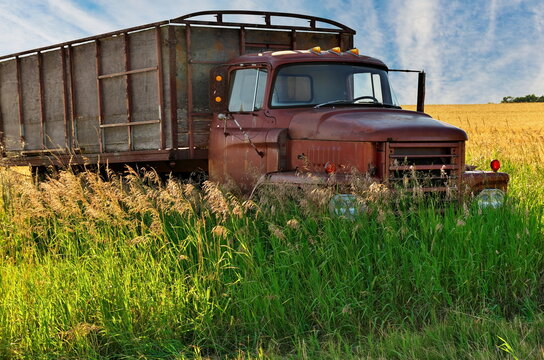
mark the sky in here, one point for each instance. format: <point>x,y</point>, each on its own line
<point>472,51</point>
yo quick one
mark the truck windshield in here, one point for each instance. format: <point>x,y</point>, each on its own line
<point>326,83</point>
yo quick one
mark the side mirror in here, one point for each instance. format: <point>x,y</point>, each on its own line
<point>421,91</point>
<point>219,89</point>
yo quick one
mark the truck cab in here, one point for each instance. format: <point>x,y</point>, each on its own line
<point>321,116</point>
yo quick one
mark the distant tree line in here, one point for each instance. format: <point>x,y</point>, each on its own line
<point>522,99</point>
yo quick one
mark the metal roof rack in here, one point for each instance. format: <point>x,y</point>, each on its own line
<point>188,20</point>
<point>267,16</point>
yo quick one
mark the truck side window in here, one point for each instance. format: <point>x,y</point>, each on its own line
<point>247,90</point>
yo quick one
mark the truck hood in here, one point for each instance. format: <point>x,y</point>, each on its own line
<point>361,124</point>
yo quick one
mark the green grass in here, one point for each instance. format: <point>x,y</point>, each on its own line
<point>130,269</point>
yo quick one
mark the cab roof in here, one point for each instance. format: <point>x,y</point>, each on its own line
<point>277,58</point>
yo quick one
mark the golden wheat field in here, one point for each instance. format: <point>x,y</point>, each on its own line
<point>514,132</point>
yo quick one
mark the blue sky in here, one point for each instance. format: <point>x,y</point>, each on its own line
<point>472,51</point>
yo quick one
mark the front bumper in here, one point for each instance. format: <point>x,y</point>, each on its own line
<point>472,182</point>
<point>476,181</point>
<point>298,178</point>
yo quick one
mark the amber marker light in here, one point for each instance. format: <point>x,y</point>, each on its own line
<point>218,99</point>
<point>336,50</point>
<point>218,78</point>
<point>354,51</point>
<point>330,168</point>
<point>316,50</point>
<point>495,165</point>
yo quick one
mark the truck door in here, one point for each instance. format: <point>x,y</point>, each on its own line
<point>237,148</point>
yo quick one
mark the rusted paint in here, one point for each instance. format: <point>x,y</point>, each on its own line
<point>475,181</point>
<point>62,157</point>
<point>130,124</point>
<point>232,157</point>
<point>125,73</point>
<point>189,75</point>
<point>160,87</point>
<point>276,60</point>
<point>65,100</point>
<point>313,155</point>
<point>461,163</point>
<point>128,97</point>
<point>334,27</point>
<point>386,165</point>
<point>42,100</point>
<point>242,40</point>
<point>276,150</point>
<point>308,178</point>
<point>20,112</point>
<point>269,46</point>
<point>421,91</point>
<point>101,137</point>
<point>173,87</point>
<point>2,135</point>
<point>371,124</point>
<point>73,110</point>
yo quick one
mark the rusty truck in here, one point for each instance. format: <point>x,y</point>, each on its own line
<point>241,95</point>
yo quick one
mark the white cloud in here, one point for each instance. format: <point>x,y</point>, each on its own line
<point>414,25</point>
<point>79,18</point>
<point>362,16</point>
<point>472,52</point>
<point>14,23</point>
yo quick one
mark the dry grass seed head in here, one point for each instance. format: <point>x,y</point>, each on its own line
<point>293,224</point>
<point>276,231</point>
<point>139,240</point>
<point>314,198</point>
<point>79,331</point>
<point>220,231</point>
<point>63,196</point>
<point>105,200</point>
<point>216,200</point>
<point>172,198</point>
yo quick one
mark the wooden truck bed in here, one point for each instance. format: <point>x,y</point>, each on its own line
<point>135,95</point>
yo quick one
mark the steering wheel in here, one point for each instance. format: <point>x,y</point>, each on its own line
<point>374,100</point>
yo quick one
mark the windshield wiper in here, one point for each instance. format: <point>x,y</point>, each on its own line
<point>351,102</point>
<point>333,102</point>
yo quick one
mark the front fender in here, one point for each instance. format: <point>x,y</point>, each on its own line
<point>243,156</point>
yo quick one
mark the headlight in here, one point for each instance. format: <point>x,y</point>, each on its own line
<point>346,205</point>
<point>490,198</point>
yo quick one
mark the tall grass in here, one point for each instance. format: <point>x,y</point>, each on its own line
<point>129,267</point>
<point>135,267</point>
